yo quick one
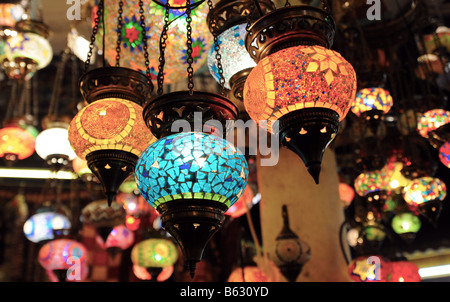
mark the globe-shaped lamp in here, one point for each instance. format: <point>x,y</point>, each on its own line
<point>16,143</point>
<point>41,226</point>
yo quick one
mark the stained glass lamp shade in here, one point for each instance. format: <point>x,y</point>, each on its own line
<point>424,189</point>
<point>175,53</point>
<point>16,143</point>
<point>346,193</point>
<point>10,14</point>
<point>242,205</point>
<point>299,85</point>
<point>110,134</point>
<point>154,252</point>
<point>120,237</point>
<point>234,55</point>
<point>373,98</point>
<point>371,181</point>
<point>41,226</point>
<point>406,223</point>
<point>432,120</point>
<point>404,271</point>
<point>25,53</point>
<point>198,173</point>
<point>60,255</point>
<point>51,152</point>
<point>441,38</point>
<point>444,154</point>
<point>372,268</point>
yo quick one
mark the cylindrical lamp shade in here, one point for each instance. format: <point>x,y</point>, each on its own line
<point>40,226</point>
<point>444,154</point>
<point>374,98</point>
<point>250,274</point>
<point>16,142</point>
<point>296,78</point>
<point>109,124</point>
<point>154,252</point>
<point>62,254</point>
<point>406,223</point>
<point>234,55</point>
<point>424,189</point>
<point>30,46</point>
<point>46,146</point>
<point>132,47</point>
<point>432,120</point>
<point>191,165</point>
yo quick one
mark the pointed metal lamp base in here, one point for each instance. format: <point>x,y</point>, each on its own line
<point>111,167</point>
<point>192,223</point>
<point>308,132</point>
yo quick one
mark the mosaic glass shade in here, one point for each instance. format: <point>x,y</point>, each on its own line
<point>191,165</point>
<point>142,273</point>
<point>441,38</point>
<point>404,271</point>
<point>250,274</point>
<point>109,124</point>
<point>30,46</point>
<point>296,78</point>
<point>432,120</point>
<point>120,237</point>
<point>406,223</point>
<point>99,214</point>
<point>17,142</point>
<point>424,189</point>
<point>444,154</point>
<point>56,254</point>
<point>132,55</point>
<point>244,202</point>
<point>40,226</point>
<point>154,252</point>
<point>10,14</point>
<point>46,147</point>
<point>132,223</point>
<point>394,173</point>
<point>235,56</point>
<point>374,98</point>
<point>371,181</point>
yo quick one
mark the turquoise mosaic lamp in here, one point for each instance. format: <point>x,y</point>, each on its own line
<point>191,179</point>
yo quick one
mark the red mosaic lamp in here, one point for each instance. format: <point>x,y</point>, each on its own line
<point>298,80</point>
<point>16,143</point>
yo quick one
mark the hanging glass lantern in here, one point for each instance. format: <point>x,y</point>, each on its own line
<point>120,237</point>
<point>27,51</point>
<point>103,216</point>
<point>426,195</point>
<point>61,255</point>
<point>16,143</point>
<point>191,179</point>
<point>228,20</point>
<point>10,14</point>
<point>42,226</point>
<point>368,99</point>
<point>431,121</point>
<point>346,193</point>
<point>154,254</point>
<point>406,225</point>
<point>437,41</point>
<point>298,80</point>
<point>56,155</point>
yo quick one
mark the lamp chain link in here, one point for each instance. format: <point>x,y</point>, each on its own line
<point>119,33</point>
<point>218,56</point>
<point>162,49</point>
<point>94,33</point>
<point>189,58</point>
<point>145,42</point>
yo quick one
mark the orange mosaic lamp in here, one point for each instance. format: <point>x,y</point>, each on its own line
<point>298,82</point>
<point>110,133</point>
<point>16,143</point>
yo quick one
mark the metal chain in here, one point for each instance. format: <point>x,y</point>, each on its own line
<point>287,4</point>
<point>119,33</point>
<point>162,49</point>
<point>218,56</point>
<point>94,33</point>
<point>189,58</point>
<point>144,41</point>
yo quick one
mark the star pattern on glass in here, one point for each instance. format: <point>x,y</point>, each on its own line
<point>326,61</point>
<point>364,270</point>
